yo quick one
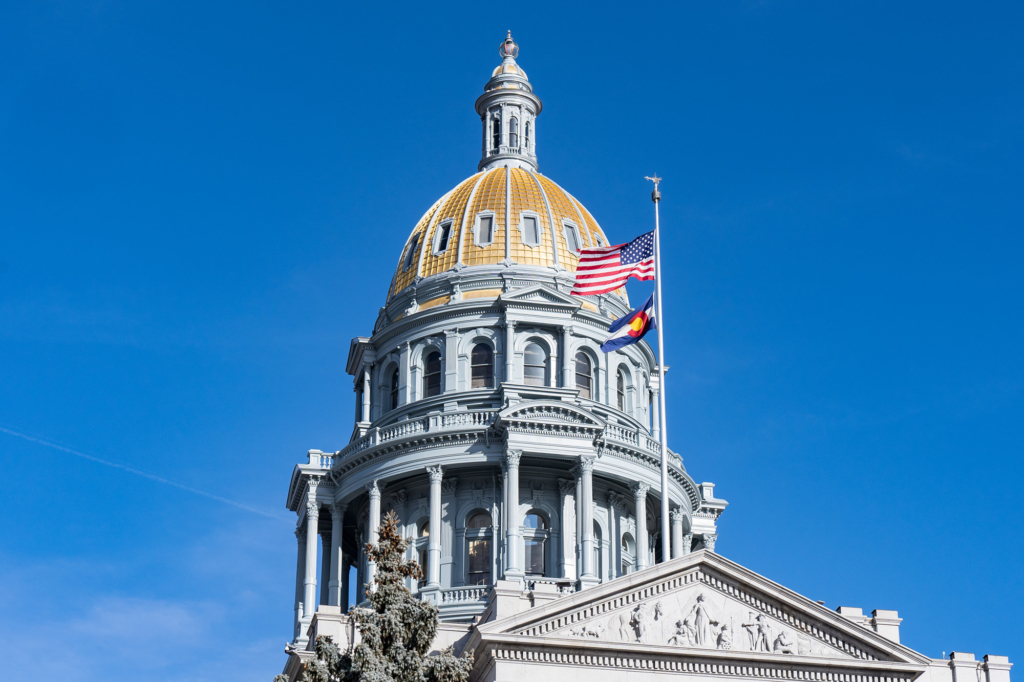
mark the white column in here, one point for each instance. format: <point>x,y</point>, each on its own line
<point>372,529</point>
<point>300,574</point>
<point>566,512</point>
<point>687,543</point>
<point>404,370</point>
<point>514,569</point>
<point>510,338</point>
<point>677,532</point>
<point>312,518</point>
<point>640,498</point>
<point>578,498</point>
<point>325,567</point>
<point>366,393</point>
<point>434,541</point>
<point>451,361</point>
<point>567,368</point>
<point>587,520</point>
<point>337,560</point>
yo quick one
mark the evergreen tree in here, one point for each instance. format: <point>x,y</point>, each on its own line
<point>396,631</point>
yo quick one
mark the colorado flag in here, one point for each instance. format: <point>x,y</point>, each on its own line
<point>631,328</point>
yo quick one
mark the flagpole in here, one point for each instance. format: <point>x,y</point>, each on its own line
<point>659,319</point>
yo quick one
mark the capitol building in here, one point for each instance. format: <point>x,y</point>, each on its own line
<point>525,464</point>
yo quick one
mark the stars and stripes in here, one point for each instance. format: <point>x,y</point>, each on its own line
<point>607,268</point>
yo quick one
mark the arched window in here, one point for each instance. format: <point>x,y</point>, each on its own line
<point>535,541</point>
<point>422,542</point>
<point>481,362</point>
<point>526,136</point>
<point>628,554</point>
<point>478,549</point>
<point>598,552</point>
<point>496,133</point>
<point>620,389</point>
<point>394,389</point>
<point>513,132</point>
<point>535,365</point>
<point>584,375</point>
<point>432,375</point>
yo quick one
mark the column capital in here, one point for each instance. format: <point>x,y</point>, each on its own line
<point>337,512</point>
<point>615,500</point>
<point>565,329</point>
<point>509,324</point>
<point>677,515</point>
<point>450,485</point>
<point>300,535</point>
<point>373,489</point>
<point>451,333</point>
<point>566,486</point>
<point>709,541</point>
<point>640,490</point>
<point>436,473</point>
<point>312,510</point>
<point>586,465</point>
<point>512,457</point>
<point>687,543</point>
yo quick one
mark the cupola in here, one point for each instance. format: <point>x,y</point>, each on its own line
<point>508,111</point>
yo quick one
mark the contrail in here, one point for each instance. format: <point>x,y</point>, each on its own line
<point>152,477</point>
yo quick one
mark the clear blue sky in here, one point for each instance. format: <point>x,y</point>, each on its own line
<point>201,203</point>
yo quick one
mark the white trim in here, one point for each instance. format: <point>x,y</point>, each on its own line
<point>571,225</point>
<point>551,219</point>
<point>450,222</point>
<point>476,227</point>
<point>522,234</point>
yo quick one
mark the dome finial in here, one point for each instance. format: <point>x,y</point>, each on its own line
<point>509,47</point>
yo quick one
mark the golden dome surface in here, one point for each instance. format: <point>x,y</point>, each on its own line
<point>506,195</point>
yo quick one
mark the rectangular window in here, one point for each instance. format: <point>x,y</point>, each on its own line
<point>442,236</point>
<point>531,235</point>
<point>572,238</point>
<point>479,562</point>
<point>486,233</point>
<point>535,556</point>
<point>423,567</point>
<point>411,253</point>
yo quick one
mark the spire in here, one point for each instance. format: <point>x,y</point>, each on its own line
<point>508,110</point>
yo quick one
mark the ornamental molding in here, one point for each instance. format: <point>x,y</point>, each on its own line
<point>687,609</point>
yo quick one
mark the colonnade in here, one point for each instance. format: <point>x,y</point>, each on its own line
<point>335,564</point>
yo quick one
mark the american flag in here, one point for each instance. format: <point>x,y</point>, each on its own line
<point>607,268</point>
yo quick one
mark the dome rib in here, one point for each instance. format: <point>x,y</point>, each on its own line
<point>507,196</point>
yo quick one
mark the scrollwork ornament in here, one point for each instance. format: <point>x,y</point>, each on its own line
<point>374,489</point>
<point>436,473</point>
<point>586,465</point>
<point>512,457</point>
<point>640,490</point>
<point>312,510</point>
<point>709,541</point>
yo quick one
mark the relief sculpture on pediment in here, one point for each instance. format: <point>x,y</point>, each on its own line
<point>701,619</point>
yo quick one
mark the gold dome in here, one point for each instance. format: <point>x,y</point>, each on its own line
<point>484,194</point>
<point>509,67</point>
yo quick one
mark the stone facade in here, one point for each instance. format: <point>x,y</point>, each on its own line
<point>525,464</point>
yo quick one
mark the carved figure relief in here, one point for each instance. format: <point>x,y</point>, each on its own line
<point>701,618</point>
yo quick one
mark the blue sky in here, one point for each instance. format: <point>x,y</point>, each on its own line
<point>201,203</point>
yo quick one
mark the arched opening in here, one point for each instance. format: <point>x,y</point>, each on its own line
<point>620,389</point>
<point>628,553</point>
<point>432,375</point>
<point>535,365</point>
<point>481,362</point>
<point>479,533</point>
<point>496,132</point>
<point>513,132</point>
<point>584,375</point>
<point>394,389</point>
<point>526,137</point>
<point>598,552</point>
<point>421,544</point>
<point>535,541</point>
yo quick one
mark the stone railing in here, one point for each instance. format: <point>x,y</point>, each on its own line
<point>411,427</point>
<point>324,460</point>
<point>461,595</point>
<point>564,586</point>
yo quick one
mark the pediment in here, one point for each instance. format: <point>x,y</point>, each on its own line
<point>552,412</point>
<point>542,296</point>
<point>705,602</point>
